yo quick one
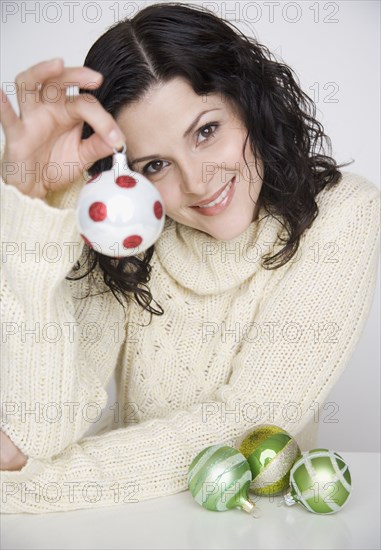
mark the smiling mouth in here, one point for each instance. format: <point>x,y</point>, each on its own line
<point>223,193</point>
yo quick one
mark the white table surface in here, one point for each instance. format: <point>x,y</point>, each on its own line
<point>177,521</point>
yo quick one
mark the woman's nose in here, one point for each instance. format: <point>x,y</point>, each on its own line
<point>193,179</point>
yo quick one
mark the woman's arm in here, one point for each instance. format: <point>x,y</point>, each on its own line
<point>151,459</point>
<point>54,365</point>
<point>58,351</point>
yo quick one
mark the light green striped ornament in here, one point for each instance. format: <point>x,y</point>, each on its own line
<point>271,453</point>
<point>320,481</point>
<point>219,478</point>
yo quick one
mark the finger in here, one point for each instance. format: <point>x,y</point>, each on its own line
<point>93,149</point>
<point>8,117</point>
<point>53,79</point>
<point>82,77</point>
<point>86,107</point>
<point>29,83</point>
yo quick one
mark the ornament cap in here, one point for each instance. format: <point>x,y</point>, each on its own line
<point>289,499</point>
<point>119,161</point>
<point>249,507</point>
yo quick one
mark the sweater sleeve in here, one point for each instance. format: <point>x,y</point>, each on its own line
<point>151,459</point>
<point>58,351</point>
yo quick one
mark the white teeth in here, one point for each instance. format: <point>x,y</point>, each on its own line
<point>220,198</point>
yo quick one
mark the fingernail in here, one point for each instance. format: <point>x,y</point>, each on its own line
<point>98,76</point>
<point>93,71</point>
<point>51,61</point>
<point>116,139</point>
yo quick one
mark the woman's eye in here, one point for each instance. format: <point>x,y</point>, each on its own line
<point>157,165</point>
<point>207,131</point>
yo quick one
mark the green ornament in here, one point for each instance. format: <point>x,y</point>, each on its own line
<point>219,478</point>
<point>271,453</point>
<point>320,481</point>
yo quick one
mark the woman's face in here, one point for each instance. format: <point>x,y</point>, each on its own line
<point>190,147</point>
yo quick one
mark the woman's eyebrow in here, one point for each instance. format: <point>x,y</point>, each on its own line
<point>194,123</point>
<point>186,133</point>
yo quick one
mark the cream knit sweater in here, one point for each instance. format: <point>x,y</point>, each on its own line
<point>237,346</point>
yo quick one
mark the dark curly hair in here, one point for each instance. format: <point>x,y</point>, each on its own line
<point>163,41</point>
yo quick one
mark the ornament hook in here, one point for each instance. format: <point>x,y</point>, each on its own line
<point>124,149</point>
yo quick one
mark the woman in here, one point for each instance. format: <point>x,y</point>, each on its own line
<point>265,269</point>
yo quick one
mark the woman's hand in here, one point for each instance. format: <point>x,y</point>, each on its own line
<point>43,146</point>
<point>11,458</point>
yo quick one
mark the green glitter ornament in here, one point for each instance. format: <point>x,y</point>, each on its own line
<point>271,453</point>
<point>219,478</point>
<point>320,481</point>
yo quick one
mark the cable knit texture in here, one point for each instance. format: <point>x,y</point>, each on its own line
<point>237,346</point>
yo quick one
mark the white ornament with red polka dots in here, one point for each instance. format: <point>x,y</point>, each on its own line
<point>120,212</point>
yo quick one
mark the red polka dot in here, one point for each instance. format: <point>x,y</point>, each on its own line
<point>158,210</point>
<point>98,211</point>
<point>126,181</point>
<point>132,242</point>
<point>86,241</point>
<point>96,176</point>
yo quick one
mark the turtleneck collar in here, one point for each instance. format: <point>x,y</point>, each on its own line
<point>206,265</point>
